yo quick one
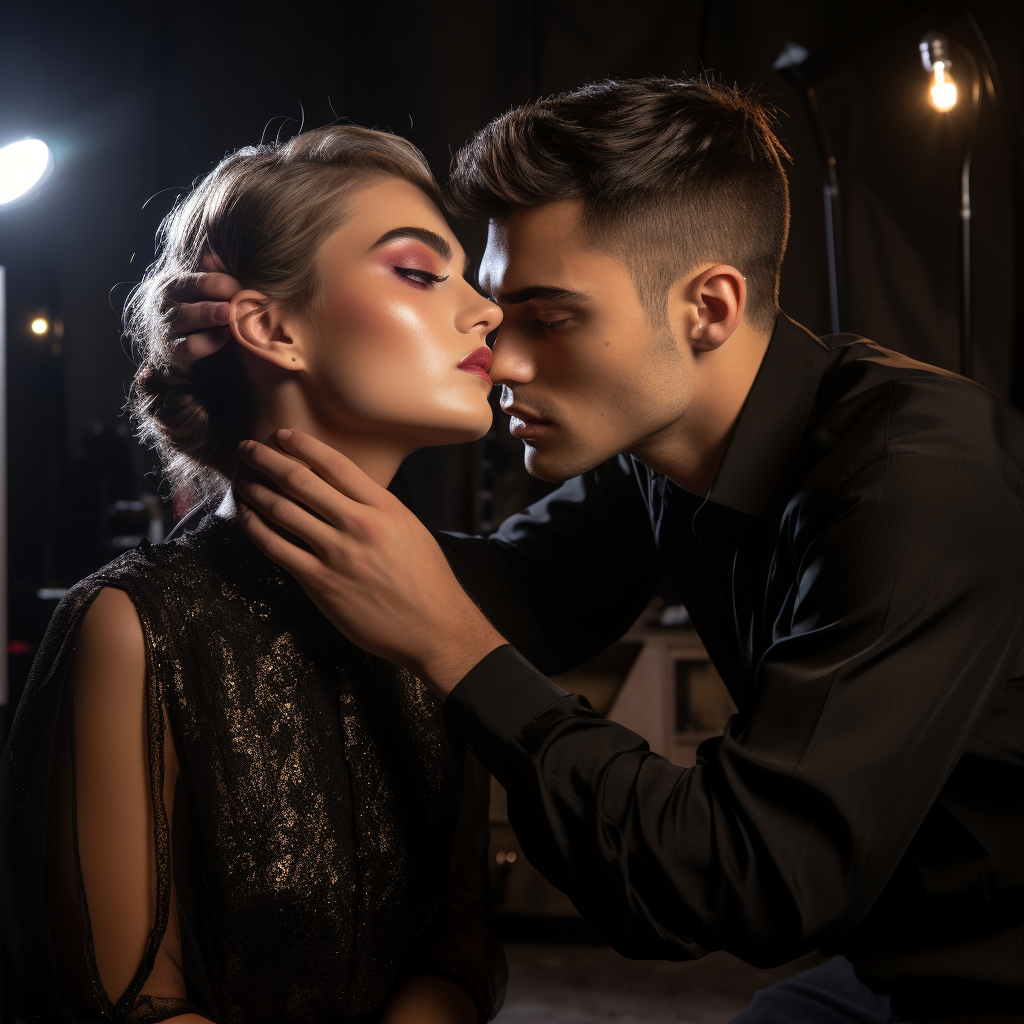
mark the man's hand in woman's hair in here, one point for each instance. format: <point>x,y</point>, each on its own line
<point>371,566</point>
<point>199,304</point>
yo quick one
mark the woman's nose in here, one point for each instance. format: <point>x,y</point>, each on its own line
<point>511,363</point>
<point>480,316</point>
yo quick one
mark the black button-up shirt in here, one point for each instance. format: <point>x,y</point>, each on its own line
<point>856,574</point>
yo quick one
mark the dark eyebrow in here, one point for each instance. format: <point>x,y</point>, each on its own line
<point>431,239</point>
<point>538,291</point>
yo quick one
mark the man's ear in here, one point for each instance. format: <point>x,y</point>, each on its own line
<point>714,302</point>
<point>258,326</point>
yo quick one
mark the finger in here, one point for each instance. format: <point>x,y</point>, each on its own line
<point>301,564</point>
<point>196,287</point>
<point>211,261</point>
<point>199,346</point>
<point>298,481</point>
<point>338,470</point>
<point>284,512</point>
<point>190,317</point>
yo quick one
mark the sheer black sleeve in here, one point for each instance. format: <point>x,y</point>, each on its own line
<point>88,781</point>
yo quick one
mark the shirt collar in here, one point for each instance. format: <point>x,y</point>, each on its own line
<point>772,423</point>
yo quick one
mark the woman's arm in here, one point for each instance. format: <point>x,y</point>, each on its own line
<point>459,948</point>
<point>105,803</point>
<point>425,999</point>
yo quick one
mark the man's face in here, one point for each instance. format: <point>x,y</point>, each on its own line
<point>584,374</point>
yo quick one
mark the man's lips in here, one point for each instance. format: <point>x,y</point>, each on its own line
<point>478,362</point>
<point>524,423</point>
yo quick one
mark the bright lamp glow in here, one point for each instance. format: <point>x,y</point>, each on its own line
<point>40,325</point>
<point>943,90</point>
<point>22,165</point>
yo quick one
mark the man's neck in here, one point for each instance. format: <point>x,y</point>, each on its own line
<point>690,450</point>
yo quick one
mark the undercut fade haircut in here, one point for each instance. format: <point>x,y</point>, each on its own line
<point>671,174</point>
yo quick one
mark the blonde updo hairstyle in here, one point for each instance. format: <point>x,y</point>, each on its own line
<point>264,211</point>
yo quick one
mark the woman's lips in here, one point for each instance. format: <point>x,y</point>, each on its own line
<point>478,362</point>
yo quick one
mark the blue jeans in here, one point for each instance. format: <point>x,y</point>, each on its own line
<point>829,994</point>
<point>833,994</point>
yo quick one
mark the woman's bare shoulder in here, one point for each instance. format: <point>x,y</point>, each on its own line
<point>112,619</point>
<point>110,651</point>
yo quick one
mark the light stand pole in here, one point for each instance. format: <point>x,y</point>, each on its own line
<point>793,63</point>
<point>5,691</point>
<point>937,61</point>
<point>966,305</point>
<point>23,165</point>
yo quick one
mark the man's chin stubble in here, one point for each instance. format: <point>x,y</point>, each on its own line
<point>556,469</point>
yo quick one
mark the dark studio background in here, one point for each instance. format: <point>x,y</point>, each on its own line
<point>138,101</point>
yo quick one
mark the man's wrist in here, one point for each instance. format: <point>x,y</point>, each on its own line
<point>450,659</point>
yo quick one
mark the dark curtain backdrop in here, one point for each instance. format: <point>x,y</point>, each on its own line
<point>139,101</point>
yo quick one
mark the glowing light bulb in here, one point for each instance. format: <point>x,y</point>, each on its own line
<point>943,90</point>
<point>40,325</point>
<point>22,165</point>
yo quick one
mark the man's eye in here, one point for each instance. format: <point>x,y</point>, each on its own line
<point>552,325</point>
<point>423,277</point>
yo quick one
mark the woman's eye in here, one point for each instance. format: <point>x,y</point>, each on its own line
<point>421,277</point>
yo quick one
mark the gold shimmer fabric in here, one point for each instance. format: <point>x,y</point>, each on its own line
<point>325,843</point>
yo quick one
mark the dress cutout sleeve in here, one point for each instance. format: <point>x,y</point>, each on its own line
<point>460,942</point>
<point>108,880</point>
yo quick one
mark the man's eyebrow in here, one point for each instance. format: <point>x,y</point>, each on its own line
<point>429,238</point>
<point>539,291</point>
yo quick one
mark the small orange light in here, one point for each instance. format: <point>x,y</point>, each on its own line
<point>40,325</point>
<point>943,90</point>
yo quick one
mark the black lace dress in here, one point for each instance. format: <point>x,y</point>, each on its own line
<point>325,843</point>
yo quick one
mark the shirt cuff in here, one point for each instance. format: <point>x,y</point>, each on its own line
<point>494,701</point>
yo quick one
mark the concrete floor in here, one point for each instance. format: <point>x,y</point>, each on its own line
<point>564,984</point>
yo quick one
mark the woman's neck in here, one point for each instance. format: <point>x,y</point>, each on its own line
<point>377,458</point>
<point>377,454</point>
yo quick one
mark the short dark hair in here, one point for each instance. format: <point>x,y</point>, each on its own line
<point>670,173</point>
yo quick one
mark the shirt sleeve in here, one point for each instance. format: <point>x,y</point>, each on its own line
<point>570,575</point>
<point>905,627</point>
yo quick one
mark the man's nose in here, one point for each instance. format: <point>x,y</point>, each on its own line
<point>512,361</point>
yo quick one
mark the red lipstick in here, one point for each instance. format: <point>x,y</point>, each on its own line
<point>478,362</point>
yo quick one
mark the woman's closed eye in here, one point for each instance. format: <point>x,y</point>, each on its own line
<point>421,278</point>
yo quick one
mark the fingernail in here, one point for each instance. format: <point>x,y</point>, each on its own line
<point>283,435</point>
<point>241,509</point>
<point>222,313</point>
<point>243,446</point>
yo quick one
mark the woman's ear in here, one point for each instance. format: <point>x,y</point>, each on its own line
<point>258,326</point>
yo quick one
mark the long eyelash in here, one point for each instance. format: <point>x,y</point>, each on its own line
<point>412,273</point>
<point>549,324</point>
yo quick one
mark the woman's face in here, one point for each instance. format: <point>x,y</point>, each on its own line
<point>398,342</point>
